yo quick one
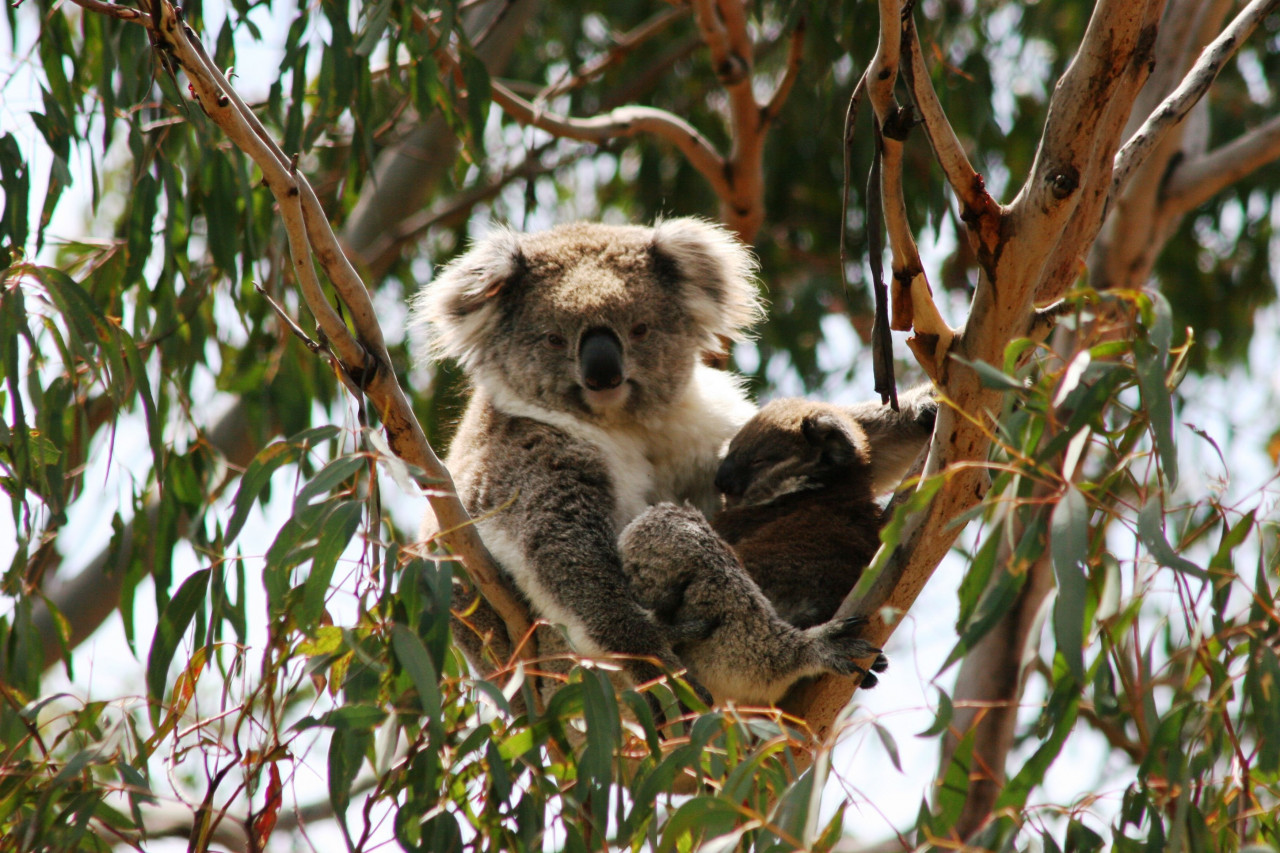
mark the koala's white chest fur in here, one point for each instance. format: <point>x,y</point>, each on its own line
<point>671,456</point>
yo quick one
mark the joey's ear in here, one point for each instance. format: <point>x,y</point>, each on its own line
<point>453,312</point>
<point>833,439</point>
<point>716,276</point>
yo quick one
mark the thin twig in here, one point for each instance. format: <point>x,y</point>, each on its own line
<point>123,13</point>
<point>622,47</point>
<point>288,321</point>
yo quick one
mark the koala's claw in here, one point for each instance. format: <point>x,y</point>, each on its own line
<point>843,635</point>
<point>869,680</point>
<point>848,647</point>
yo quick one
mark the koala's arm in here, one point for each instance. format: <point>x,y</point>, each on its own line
<point>896,438</point>
<point>553,531</point>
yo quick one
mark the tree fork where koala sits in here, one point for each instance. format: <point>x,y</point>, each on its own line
<point>1038,240</point>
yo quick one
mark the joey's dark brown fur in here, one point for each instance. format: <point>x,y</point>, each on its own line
<point>800,482</point>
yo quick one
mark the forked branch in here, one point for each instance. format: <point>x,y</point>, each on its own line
<point>1193,87</point>
<point>910,293</point>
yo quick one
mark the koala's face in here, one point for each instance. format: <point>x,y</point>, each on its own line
<point>594,320</point>
<point>791,445</point>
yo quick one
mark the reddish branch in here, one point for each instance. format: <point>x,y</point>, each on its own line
<point>737,178</point>
<point>911,296</point>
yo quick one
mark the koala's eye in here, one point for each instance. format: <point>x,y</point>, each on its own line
<point>639,331</point>
<point>556,341</point>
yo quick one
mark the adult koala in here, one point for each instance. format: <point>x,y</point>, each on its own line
<point>584,345</point>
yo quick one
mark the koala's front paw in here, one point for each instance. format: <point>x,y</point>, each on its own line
<point>842,636</point>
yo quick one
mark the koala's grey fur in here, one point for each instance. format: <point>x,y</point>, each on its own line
<point>555,454</point>
<point>724,629</point>
<point>800,481</point>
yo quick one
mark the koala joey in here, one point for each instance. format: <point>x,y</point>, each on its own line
<point>721,625</point>
<point>590,403</point>
<point>800,482</point>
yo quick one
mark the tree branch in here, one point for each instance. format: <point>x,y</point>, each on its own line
<point>366,358</point>
<point>795,55</point>
<point>1175,107</point>
<point>1080,133</point>
<point>978,209</point>
<point>910,294</point>
<point>1195,181</point>
<point>622,46</point>
<point>988,688</point>
<point>622,122</point>
<point>112,10</point>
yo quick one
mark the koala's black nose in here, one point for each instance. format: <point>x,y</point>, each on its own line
<point>600,360</point>
<point>731,478</point>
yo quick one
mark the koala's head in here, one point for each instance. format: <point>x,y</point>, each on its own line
<point>793,445</point>
<point>595,320</point>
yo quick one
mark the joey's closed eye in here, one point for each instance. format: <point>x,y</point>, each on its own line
<point>556,341</point>
<point>639,331</point>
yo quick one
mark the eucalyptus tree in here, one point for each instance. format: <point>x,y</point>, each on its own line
<point>1101,177</point>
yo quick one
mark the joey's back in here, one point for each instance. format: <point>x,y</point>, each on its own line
<point>800,481</point>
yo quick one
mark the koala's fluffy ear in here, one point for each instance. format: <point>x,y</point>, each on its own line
<point>455,309</point>
<point>839,447</point>
<point>717,274</point>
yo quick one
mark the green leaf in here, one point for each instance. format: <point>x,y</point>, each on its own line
<point>173,624</point>
<point>1069,548</point>
<point>335,473</point>
<point>335,533</point>
<point>346,754</point>
<point>413,656</point>
<point>890,745</point>
<point>1151,356</point>
<point>476,78</point>
<point>516,744</point>
<point>349,717</point>
<point>942,721</point>
<point>953,789</point>
<point>1151,533</point>
<point>255,479</point>
<point>699,818</point>
<point>991,376</point>
<point>373,24</point>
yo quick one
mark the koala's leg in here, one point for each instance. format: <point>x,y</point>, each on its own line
<point>782,655</point>
<point>574,575</point>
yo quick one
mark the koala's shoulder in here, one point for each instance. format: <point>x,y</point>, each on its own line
<point>501,451</point>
